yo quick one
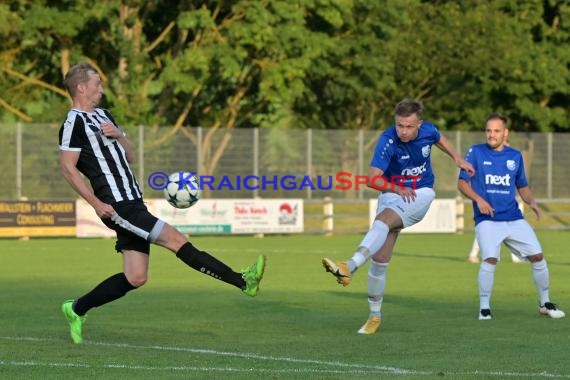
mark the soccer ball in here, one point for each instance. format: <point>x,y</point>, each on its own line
<point>182,196</point>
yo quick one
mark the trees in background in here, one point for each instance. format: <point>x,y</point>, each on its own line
<point>314,63</point>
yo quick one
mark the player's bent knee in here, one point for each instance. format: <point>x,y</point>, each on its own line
<point>390,218</point>
<point>535,258</point>
<point>137,280</point>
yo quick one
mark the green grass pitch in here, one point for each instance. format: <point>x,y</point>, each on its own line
<point>302,325</point>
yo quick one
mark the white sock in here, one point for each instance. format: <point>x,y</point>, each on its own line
<point>375,306</point>
<point>486,278</point>
<point>372,242</point>
<point>541,280</point>
<point>376,286</point>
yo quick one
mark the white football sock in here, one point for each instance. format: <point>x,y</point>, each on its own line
<point>486,278</point>
<point>376,286</point>
<point>541,280</point>
<point>375,306</point>
<point>372,242</point>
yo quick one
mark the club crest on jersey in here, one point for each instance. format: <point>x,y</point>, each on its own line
<point>511,165</point>
<point>425,150</point>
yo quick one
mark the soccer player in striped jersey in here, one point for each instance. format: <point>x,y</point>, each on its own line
<point>498,219</point>
<point>91,143</point>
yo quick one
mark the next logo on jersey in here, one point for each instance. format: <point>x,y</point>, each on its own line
<point>503,180</point>
<point>415,171</point>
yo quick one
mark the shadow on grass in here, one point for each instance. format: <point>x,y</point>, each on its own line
<point>436,257</point>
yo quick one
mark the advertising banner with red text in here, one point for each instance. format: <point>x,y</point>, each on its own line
<point>233,216</point>
<point>211,217</point>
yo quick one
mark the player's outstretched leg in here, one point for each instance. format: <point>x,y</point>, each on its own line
<point>551,310</point>
<point>253,275</point>
<point>75,321</point>
<point>339,270</point>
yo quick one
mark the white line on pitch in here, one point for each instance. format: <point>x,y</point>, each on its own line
<point>355,368</point>
<point>28,363</point>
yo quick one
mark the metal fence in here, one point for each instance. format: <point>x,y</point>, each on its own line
<point>30,167</point>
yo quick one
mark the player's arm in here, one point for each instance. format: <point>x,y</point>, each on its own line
<point>445,146</point>
<point>383,155</point>
<point>68,165</point>
<point>110,130</point>
<point>466,189</point>
<point>128,146</point>
<point>376,176</point>
<point>526,196</point>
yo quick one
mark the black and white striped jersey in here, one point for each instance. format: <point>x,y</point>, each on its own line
<point>102,160</point>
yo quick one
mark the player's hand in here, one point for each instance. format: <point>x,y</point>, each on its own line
<point>485,208</point>
<point>463,164</point>
<point>535,209</point>
<point>407,193</point>
<point>110,131</point>
<point>104,210</point>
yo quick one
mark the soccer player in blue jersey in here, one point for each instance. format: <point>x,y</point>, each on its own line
<point>498,219</point>
<point>473,256</point>
<point>401,170</point>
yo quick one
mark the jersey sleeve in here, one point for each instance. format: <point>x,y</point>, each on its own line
<point>521,176</point>
<point>383,152</point>
<point>435,133</point>
<point>72,135</point>
<point>470,157</point>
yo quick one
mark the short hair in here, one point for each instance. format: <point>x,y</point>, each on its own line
<point>498,116</point>
<point>77,74</point>
<point>408,107</point>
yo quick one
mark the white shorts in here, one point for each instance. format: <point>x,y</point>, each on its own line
<point>518,235</point>
<point>410,212</point>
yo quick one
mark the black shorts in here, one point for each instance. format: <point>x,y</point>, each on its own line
<point>136,227</point>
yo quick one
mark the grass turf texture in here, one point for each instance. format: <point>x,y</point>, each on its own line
<point>302,325</point>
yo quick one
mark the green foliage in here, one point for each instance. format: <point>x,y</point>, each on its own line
<point>309,64</point>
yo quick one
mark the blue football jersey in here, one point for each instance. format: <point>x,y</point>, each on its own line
<point>407,162</point>
<point>497,177</point>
